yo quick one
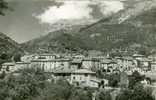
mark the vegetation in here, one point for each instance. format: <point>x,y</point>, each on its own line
<point>17,57</point>
<point>34,84</point>
<point>104,95</point>
<point>3,6</point>
<point>138,93</point>
<point>9,49</point>
<point>135,78</point>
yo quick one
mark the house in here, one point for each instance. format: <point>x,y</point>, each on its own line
<point>8,67</point>
<point>90,63</point>
<point>27,58</point>
<point>78,56</point>
<point>46,56</point>
<point>49,65</point>
<point>62,72</point>
<point>22,65</point>
<point>144,64</point>
<point>78,78</point>
<point>153,66</point>
<point>84,77</point>
<point>108,65</point>
<point>14,67</point>
<point>125,63</point>
<point>76,64</point>
<point>104,65</point>
<point>138,56</point>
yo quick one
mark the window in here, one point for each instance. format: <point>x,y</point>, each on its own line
<point>86,75</point>
<point>0,68</point>
<point>7,68</point>
<point>74,78</point>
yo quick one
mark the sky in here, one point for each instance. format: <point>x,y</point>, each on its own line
<point>30,19</point>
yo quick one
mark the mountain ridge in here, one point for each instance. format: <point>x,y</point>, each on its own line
<point>108,34</point>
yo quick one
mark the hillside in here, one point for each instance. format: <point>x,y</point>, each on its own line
<point>8,47</point>
<point>136,33</point>
<point>59,41</point>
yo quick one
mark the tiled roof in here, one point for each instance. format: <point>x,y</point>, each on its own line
<point>95,80</point>
<point>90,59</point>
<point>8,64</point>
<point>108,61</point>
<point>145,59</point>
<point>128,58</point>
<point>62,70</point>
<point>138,55</point>
<point>83,71</point>
<point>22,62</point>
<point>76,60</point>
<point>47,60</point>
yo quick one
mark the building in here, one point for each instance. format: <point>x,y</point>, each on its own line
<point>76,64</point>
<point>49,65</point>
<point>78,56</point>
<point>108,66</point>
<point>144,64</point>
<point>8,67</point>
<point>90,63</point>
<point>84,77</point>
<point>138,56</point>
<point>46,56</point>
<point>78,78</point>
<point>27,58</point>
<point>22,65</point>
<point>153,66</point>
<point>105,65</point>
<point>125,63</point>
<point>14,67</point>
<point>62,72</point>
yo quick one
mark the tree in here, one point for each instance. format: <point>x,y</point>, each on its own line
<point>34,84</point>
<point>27,84</point>
<point>104,95</point>
<point>124,95</point>
<point>134,79</point>
<point>17,57</point>
<point>81,94</point>
<point>138,93</point>
<point>3,6</point>
<point>114,79</point>
<point>4,56</point>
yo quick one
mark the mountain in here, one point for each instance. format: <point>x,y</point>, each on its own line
<point>8,47</point>
<point>132,30</point>
<point>58,41</point>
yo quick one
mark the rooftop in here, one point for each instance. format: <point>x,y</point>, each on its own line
<point>108,61</point>
<point>46,54</point>
<point>8,64</point>
<point>138,55</point>
<point>83,71</point>
<point>22,62</point>
<point>76,60</point>
<point>51,60</point>
<point>90,59</point>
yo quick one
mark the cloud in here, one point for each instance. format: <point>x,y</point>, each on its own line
<point>70,10</point>
<point>78,10</point>
<point>109,7</point>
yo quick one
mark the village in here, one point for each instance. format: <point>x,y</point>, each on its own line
<point>82,71</point>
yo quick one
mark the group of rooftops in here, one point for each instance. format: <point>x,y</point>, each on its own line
<point>77,59</point>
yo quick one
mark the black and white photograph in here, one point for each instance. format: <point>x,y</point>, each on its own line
<point>77,49</point>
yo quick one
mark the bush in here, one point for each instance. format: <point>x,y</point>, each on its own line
<point>139,93</point>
